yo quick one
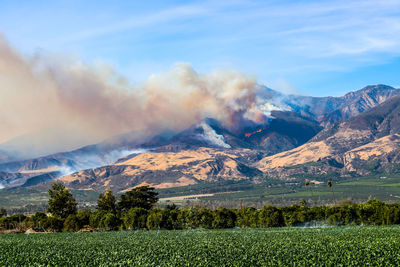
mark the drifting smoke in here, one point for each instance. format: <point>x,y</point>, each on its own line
<point>96,160</point>
<point>73,104</point>
<point>211,136</point>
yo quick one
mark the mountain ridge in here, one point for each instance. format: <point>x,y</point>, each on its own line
<point>288,138</point>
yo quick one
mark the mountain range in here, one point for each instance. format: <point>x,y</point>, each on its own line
<point>304,136</point>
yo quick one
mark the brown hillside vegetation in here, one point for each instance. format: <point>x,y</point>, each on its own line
<point>166,169</point>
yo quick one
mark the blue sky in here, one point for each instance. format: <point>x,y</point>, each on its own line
<point>311,47</point>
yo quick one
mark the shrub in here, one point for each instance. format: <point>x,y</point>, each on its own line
<point>270,216</point>
<point>83,217</point>
<point>135,218</point>
<point>71,224</point>
<point>95,218</point>
<point>224,218</point>
<point>154,220</point>
<point>53,223</point>
<point>109,222</point>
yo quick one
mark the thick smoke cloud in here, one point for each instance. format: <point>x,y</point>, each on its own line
<point>69,104</point>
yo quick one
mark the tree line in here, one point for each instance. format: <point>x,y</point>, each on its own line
<point>135,209</point>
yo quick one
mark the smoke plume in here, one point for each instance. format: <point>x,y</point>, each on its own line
<point>70,104</point>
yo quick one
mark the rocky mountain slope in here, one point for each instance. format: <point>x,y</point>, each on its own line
<point>285,130</point>
<point>328,110</point>
<point>355,103</point>
<point>364,143</point>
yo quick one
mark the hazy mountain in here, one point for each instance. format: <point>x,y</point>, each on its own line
<point>5,157</point>
<point>59,164</point>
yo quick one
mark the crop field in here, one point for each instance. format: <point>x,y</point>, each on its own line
<point>232,193</point>
<point>331,246</point>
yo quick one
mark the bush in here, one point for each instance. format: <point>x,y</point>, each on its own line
<point>247,217</point>
<point>109,222</point>
<point>53,223</point>
<point>71,224</point>
<point>224,218</point>
<point>37,220</point>
<point>154,220</point>
<point>95,218</point>
<point>198,217</point>
<point>135,218</point>
<point>83,217</point>
<point>12,222</point>
<point>270,216</point>
<point>169,219</point>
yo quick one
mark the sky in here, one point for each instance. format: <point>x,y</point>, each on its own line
<point>309,47</point>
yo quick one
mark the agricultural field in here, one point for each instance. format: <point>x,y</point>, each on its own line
<point>329,246</point>
<point>384,187</point>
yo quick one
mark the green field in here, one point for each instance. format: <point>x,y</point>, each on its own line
<point>232,193</point>
<point>331,246</point>
<point>280,193</point>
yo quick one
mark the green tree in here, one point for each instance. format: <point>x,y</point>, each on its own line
<point>169,219</point>
<point>53,223</point>
<point>110,222</point>
<point>61,202</point>
<point>224,218</point>
<point>135,218</point>
<point>392,214</point>
<point>294,215</point>
<point>83,217</point>
<point>308,185</point>
<point>333,194</point>
<point>107,202</point>
<point>95,218</point>
<point>270,216</point>
<point>154,219</point>
<point>198,217</point>
<point>140,197</point>
<point>247,217</point>
<point>71,224</point>
<point>37,219</point>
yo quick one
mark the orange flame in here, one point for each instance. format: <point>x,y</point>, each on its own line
<point>250,134</point>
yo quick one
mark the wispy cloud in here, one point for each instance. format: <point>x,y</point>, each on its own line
<point>260,37</point>
<point>137,21</point>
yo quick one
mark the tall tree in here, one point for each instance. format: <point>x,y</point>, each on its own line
<point>61,202</point>
<point>308,185</point>
<point>333,194</point>
<point>140,197</point>
<point>107,202</point>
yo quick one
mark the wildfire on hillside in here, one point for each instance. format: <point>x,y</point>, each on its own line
<point>250,134</point>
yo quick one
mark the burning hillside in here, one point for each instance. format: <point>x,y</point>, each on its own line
<point>253,133</point>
